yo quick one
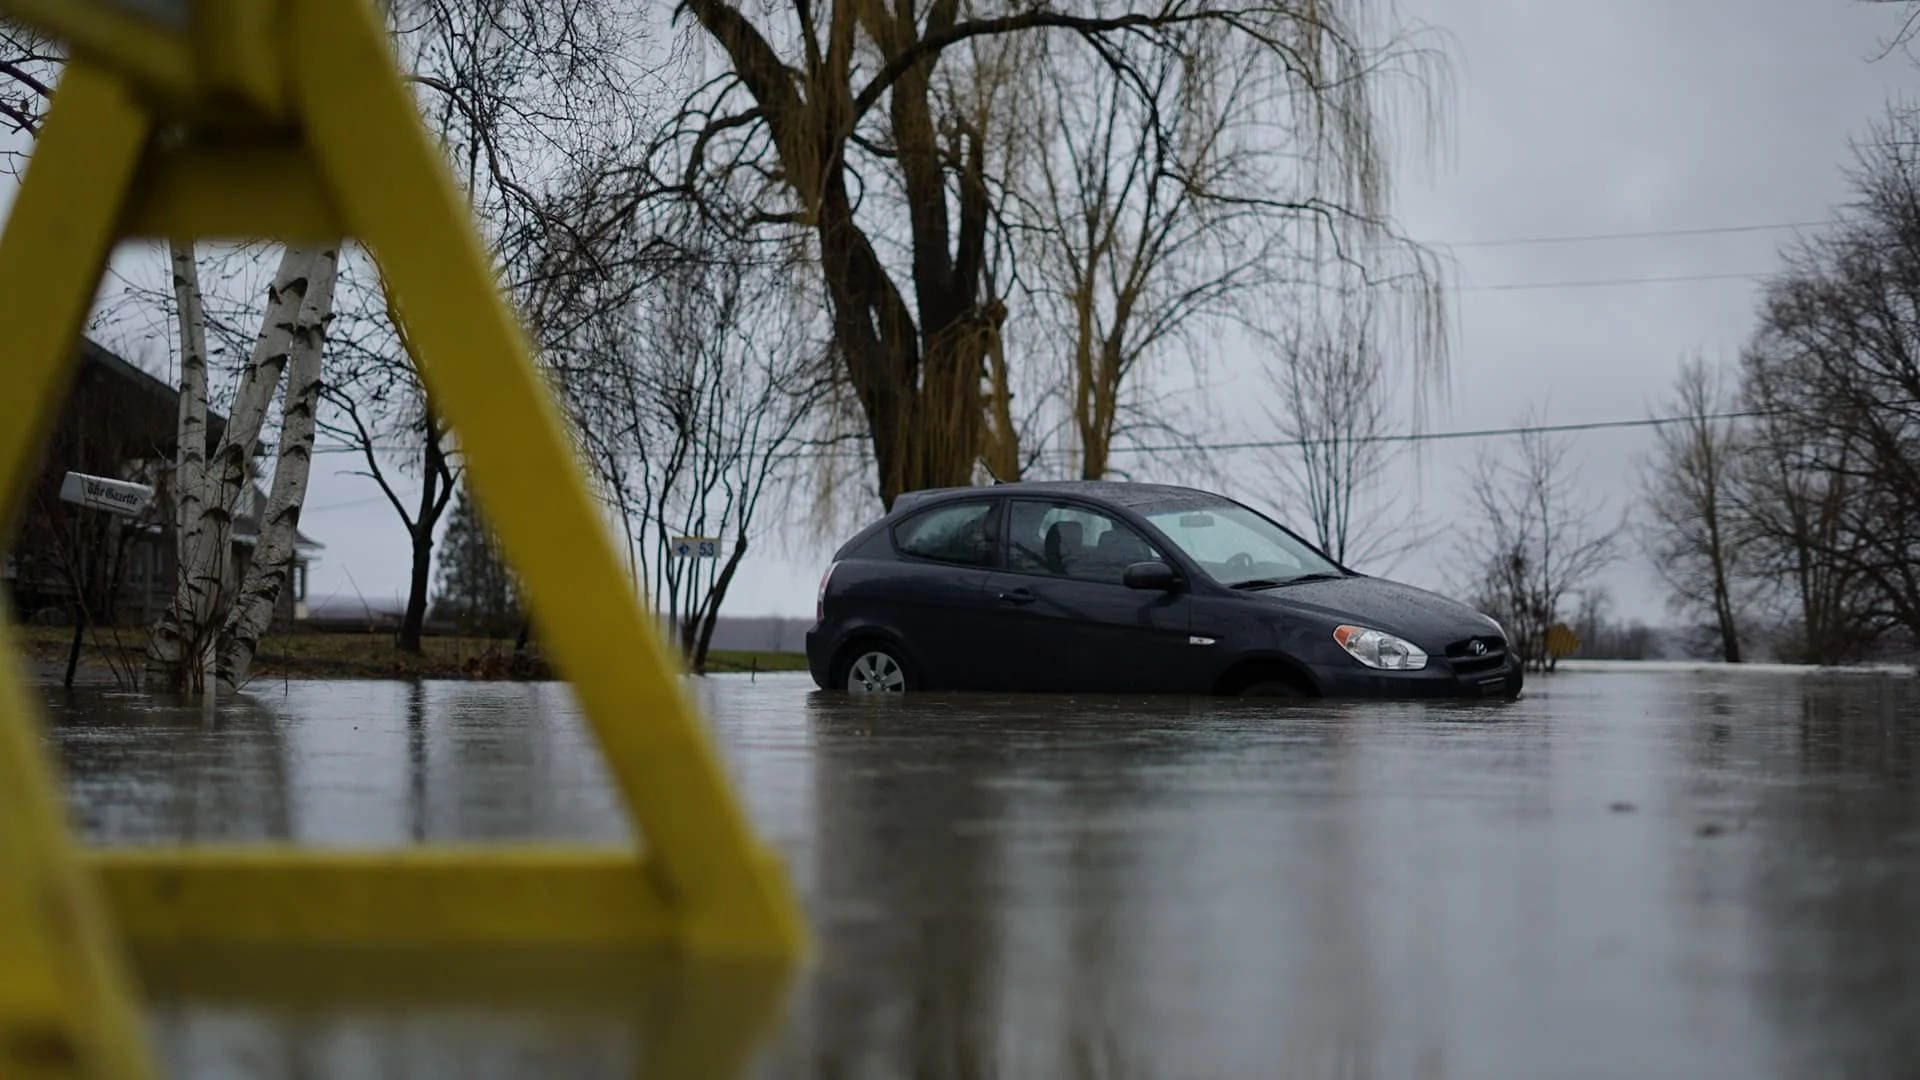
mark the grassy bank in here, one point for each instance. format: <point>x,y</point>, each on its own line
<point>360,656</point>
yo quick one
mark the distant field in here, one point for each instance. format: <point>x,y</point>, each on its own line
<point>363,656</point>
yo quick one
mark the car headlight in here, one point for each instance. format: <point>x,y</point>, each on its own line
<point>1379,649</point>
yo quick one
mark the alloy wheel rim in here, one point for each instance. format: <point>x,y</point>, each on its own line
<point>876,673</point>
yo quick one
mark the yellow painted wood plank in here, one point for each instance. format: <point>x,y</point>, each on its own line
<point>66,1006</point>
<point>233,191</point>
<point>415,896</point>
<point>692,1017</point>
<point>391,185</point>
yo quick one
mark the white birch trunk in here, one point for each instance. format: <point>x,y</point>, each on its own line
<point>187,635</point>
<point>175,646</point>
<point>230,470</point>
<point>267,575</point>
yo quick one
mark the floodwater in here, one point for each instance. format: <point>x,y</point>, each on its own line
<point>1645,875</point>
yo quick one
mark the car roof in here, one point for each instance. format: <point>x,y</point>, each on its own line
<point>1118,492</point>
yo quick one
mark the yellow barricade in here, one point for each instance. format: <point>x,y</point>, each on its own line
<point>314,143</point>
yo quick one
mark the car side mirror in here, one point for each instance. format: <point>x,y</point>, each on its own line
<point>1150,575</point>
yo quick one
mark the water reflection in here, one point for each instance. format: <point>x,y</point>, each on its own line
<point>1620,875</point>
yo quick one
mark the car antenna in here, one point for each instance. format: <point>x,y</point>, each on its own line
<point>990,473</point>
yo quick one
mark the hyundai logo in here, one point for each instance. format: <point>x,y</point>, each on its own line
<point>1478,648</point>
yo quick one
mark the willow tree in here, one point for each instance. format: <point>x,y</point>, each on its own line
<point>878,133</point>
<point>1180,194</point>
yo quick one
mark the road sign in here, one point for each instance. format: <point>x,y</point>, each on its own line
<point>1561,641</point>
<point>99,493</point>
<point>696,547</point>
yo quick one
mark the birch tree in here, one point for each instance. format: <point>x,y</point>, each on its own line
<point>185,641</point>
<point>179,639</point>
<point>252,610</point>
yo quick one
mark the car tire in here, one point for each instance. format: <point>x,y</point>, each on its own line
<point>1270,688</point>
<point>876,668</point>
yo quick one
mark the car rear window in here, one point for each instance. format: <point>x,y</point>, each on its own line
<point>960,533</point>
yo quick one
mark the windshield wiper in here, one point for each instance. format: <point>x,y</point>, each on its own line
<point>1317,575</point>
<point>1276,583</point>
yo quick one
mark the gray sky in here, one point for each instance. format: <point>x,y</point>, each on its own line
<point>1569,119</point>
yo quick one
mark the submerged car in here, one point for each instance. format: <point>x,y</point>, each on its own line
<point>1108,587</point>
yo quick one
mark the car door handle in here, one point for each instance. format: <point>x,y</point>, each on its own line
<point>1018,596</point>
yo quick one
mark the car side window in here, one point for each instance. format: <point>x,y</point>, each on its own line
<point>1061,540</point>
<point>961,533</point>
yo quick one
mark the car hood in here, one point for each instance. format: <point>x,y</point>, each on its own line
<point>1427,619</point>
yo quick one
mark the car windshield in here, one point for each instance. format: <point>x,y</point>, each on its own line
<point>1237,546</point>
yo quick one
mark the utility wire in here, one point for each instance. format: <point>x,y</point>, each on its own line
<point>1441,436</point>
<point>1650,234</point>
<point>1602,282</point>
<point>1282,444</point>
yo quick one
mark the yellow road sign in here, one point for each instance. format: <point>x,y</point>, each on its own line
<point>1561,641</point>
<point>287,118</point>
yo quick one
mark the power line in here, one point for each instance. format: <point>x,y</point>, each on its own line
<point>1441,436</point>
<point>1603,282</point>
<point>1650,234</point>
<point>345,505</point>
<point>1287,444</point>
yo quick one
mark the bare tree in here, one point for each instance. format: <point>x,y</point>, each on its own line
<point>857,118</point>
<point>523,95</point>
<point>30,66</point>
<point>1538,542</point>
<point>1692,532</point>
<point>1788,496</point>
<point>692,413</point>
<point>1334,404</point>
<point>377,410</point>
<point>1838,479</point>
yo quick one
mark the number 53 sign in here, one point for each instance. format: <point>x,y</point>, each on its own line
<point>696,547</point>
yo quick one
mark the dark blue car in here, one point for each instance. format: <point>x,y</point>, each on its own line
<point>1130,588</point>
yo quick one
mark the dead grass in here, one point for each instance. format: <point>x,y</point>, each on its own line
<point>350,655</point>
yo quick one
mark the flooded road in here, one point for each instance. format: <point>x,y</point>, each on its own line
<point>1648,875</point>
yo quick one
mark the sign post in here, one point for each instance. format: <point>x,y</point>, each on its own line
<point>702,549</point>
<point>117,498</point>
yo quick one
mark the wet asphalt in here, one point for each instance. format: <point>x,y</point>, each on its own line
<point>1620,875</point>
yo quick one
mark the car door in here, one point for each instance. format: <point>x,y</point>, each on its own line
<point>1067,621</point>
<point>934,595</point>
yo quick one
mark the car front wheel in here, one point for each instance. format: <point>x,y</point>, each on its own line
<point>876,670</point>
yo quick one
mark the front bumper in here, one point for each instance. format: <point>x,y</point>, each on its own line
<point>1436,680</point>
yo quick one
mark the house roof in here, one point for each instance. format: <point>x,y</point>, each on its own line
<point>110,362</point>
<point>246,524</point>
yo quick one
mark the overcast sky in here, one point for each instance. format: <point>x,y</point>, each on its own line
<point>1568,119</point>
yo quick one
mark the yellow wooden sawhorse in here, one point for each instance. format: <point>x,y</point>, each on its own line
<point>288,119</point>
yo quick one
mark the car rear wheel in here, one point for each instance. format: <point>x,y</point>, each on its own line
<point>876,670</point>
